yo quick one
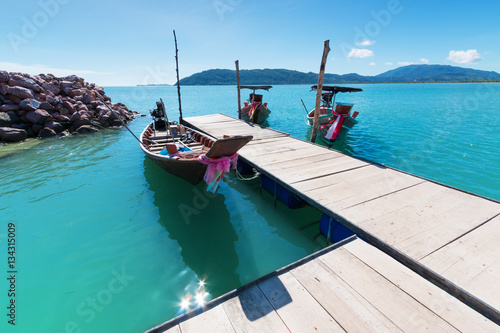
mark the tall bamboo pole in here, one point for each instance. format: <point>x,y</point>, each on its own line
<point>326,50</point>
<point>178,85</point>
<point>238,83</point>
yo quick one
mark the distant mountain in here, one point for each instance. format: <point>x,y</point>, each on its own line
<point>411,73</point>
<point>430,73</point>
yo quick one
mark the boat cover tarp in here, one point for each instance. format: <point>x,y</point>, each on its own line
<point>336,89</point>
<point>256,87</point>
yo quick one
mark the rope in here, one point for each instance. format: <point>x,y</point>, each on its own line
<point>240,176</point>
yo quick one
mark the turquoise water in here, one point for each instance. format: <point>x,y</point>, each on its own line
<point>106,241</point>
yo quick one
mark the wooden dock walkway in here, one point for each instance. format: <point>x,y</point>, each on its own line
<point>354,288</point>
<point>446,235</point>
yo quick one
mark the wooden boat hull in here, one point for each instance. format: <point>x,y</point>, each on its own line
<point>325,116</point>
<point>349,122</point>
<point>260,116</point>
<point>185,165</point>
<point>190,170</point>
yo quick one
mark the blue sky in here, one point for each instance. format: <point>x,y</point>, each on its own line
<point>130,42</point>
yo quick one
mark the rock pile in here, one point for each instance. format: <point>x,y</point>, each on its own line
<point>46,106</point>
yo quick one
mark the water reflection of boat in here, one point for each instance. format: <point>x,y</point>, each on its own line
<point>200,223</point>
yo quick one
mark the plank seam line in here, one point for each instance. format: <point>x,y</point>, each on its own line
<point>458,237</point>
<point>227,315</point>
<point>329,269</point>
<point>320,187</point>
<point>403,290</point>
<point>321,176</point>
<point>317,301</point>
<point>274,164</point>
<point>451,288</point>
<point>274,309</point>
<point>383,195</point>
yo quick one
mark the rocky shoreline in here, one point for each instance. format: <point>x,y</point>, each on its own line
<point>46,106</point>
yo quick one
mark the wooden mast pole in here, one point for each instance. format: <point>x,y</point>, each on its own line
<point>178,85</point>
<point>238,84</point>
<point>326,50</point>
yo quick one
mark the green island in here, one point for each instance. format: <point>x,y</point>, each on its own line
<point>405,74</point>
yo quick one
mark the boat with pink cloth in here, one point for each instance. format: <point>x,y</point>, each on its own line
<point>335,118</point>
<point>187,153</point>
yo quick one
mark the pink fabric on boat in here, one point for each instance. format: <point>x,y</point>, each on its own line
<point>255,106</point>
<point>216,169</point>
<point>337,122</point>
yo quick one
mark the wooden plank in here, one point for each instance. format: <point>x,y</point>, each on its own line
<point>213,320</point>
<point>472,262</point>
<point>210,118</point>
<point>401,309</point>
<point>270,154</point>
<point>349,308</point>
<point>422,218</point>
<point>251,312</point>
<point>302,162</point>
<point>296,307</point>
<point>356,186</point>
<point>437,300</point>
<point>340,164</point>
<point>308,185</point>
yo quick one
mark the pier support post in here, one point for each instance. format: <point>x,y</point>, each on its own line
<point>326,50</point>
<point>238,84</point>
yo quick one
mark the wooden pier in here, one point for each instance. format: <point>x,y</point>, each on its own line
<point>445,235</point>
<point>354,288</point>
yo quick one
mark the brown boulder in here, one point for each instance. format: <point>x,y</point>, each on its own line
<point>87,129</point>
<point>21,92</point>
<point>47,106</point>
<point>38,116</point>
<point>46,133</point>
<point>51,87</point>
<point>75,116</point>
<point>10,134</point>
<point>67,105</point>
<point>9,107</point>
<point>61,117</point>
<point>87,98</point>
<point>77,92</point>
<point>29,104</point>
<point>21,81</point>
<point>14,99</point>
<point>4,76</point>
<point>55,126</point>
<point>50,99</point>
<point>66,84</point>
<point>4,88</point>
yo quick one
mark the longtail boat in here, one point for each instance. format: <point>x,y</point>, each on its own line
<point>187,153</point>
<point>335,118</point>
<point>254,110</point>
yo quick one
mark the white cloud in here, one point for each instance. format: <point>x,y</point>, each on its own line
<point>388,63</point>
<point>372,63</point>
<point>366,42</point>
<point>405,63</point>
<point>360,53</point>
<point>424,60</point>
<point>464,57</point>
<point>39,69</point>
